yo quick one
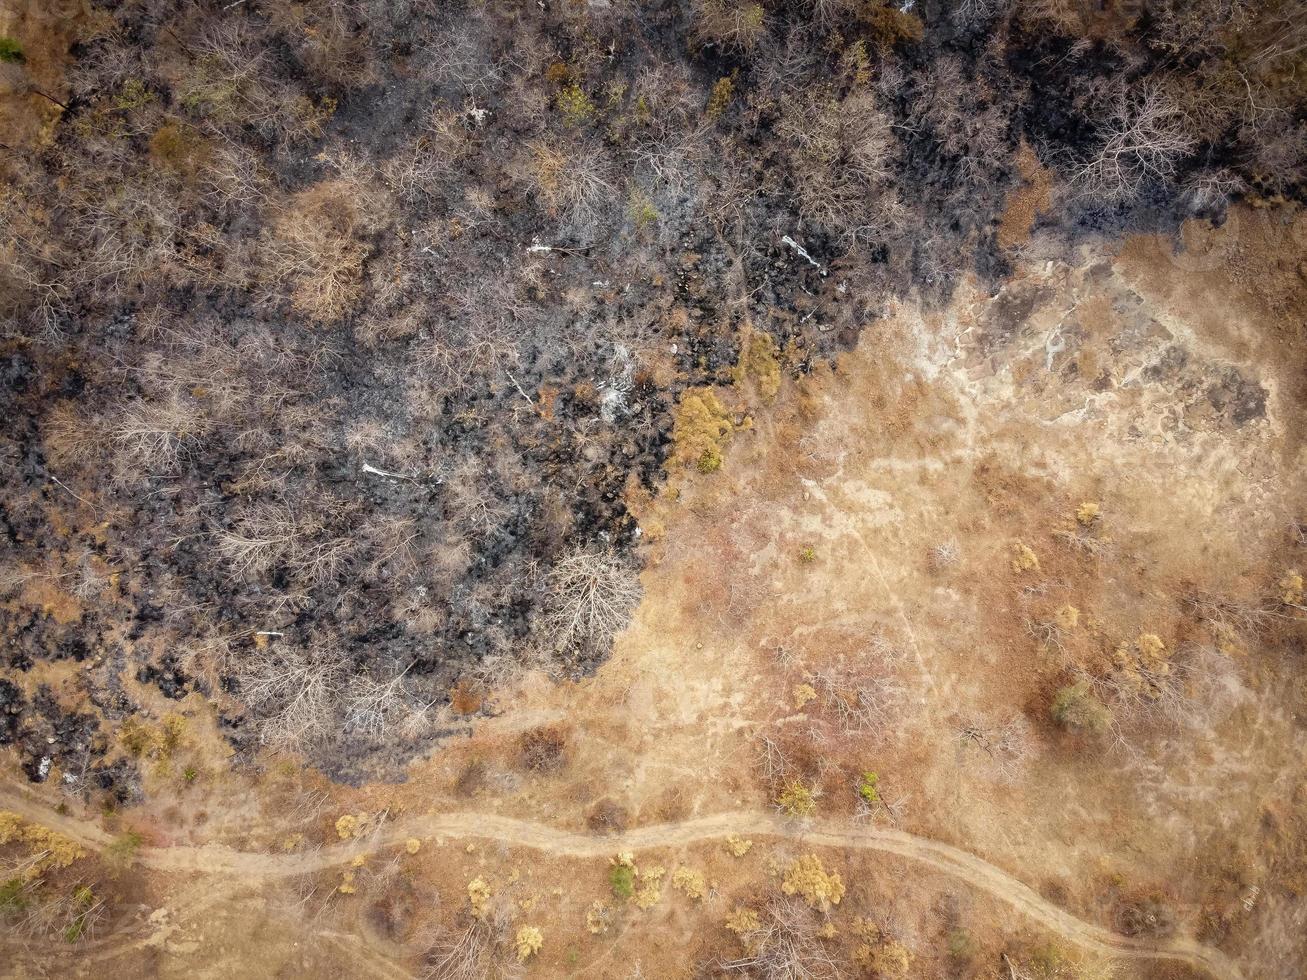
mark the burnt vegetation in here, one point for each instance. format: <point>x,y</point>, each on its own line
<point>338,336</point>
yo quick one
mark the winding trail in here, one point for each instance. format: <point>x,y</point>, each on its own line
<point>945,858</point>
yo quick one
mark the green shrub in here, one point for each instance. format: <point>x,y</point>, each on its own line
<point>797,800</point>
<point>622,879</point>
<point>961,947</point>
<point>121,852</point>
<point>11,52</point>
<point>758,366</point>
<point>575,105</point>
<point>643,213</point>
<point>13,896</point>
<point>868,788</point>
<point>710,460</point>
<point>808,555</point>
<point>1075,707</point>
<point>132,95</point>
<point>84,903</point>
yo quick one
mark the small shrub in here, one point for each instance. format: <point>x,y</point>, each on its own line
<point>890,26</point>
<point>700,428</point>
<point>543,749</point>
<point>723,91</point>
<point>13,896</point>
<point>797,800</point>
<point>178,147</point>
<point>621,877</point>
<point>558,73</point>
<point>710,461</point>
<point>575,105</point>
<point>807,555</point>
<point>1075,707</point>
<point>121,852</point>
<point>731,25</point>
<point>137,737</point>
<point>607,817</point>
<point>643,213</point>
<point>961,947</point>
<point>868,788</point>
<point>856,63</point>
<point>11,52</point>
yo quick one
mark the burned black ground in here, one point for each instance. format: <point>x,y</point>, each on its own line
<point>540,224</point>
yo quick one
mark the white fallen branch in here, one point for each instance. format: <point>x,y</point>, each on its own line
<point>369,468</point>
<point>803,253</point>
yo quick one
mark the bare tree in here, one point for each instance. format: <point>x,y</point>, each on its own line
<point>156,436</point>
<point>863,699</point>
<point>316,250</point>
<point>786,945</point>
<point>478,948</point>
<point>590,594</point>
<point>945,555</point>
<point>1005,742</point>
<point>972,13</point>
<point>267,535</point>
<point>774,762</point>
<point>576,183</point>
<point>840,154</point>
<point>1143,137</point>
<point>735,25</point>
<point>296,692</point>
<point>374,707</point>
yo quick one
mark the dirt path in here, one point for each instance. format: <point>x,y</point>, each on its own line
<point>952,861</point>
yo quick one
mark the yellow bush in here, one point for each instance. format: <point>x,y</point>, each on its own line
<point>347,826</point>
<point>478,896</point>
<point>881,956</point>
<point>689,881</point>
<point>56,850</point>
<point>743,921</point>
<point>700,428</point>
<point>759,366</point>
<point>722,93</point>
<point>1023,558</point>
<point>808,878</point>
<point>1142,664</point>
<point>737,846</point>
<point>597,918</point>
<point>528,942</point>
<point>1291,588</point>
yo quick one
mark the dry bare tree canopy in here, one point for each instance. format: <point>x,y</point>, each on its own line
<point>343,335</point>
